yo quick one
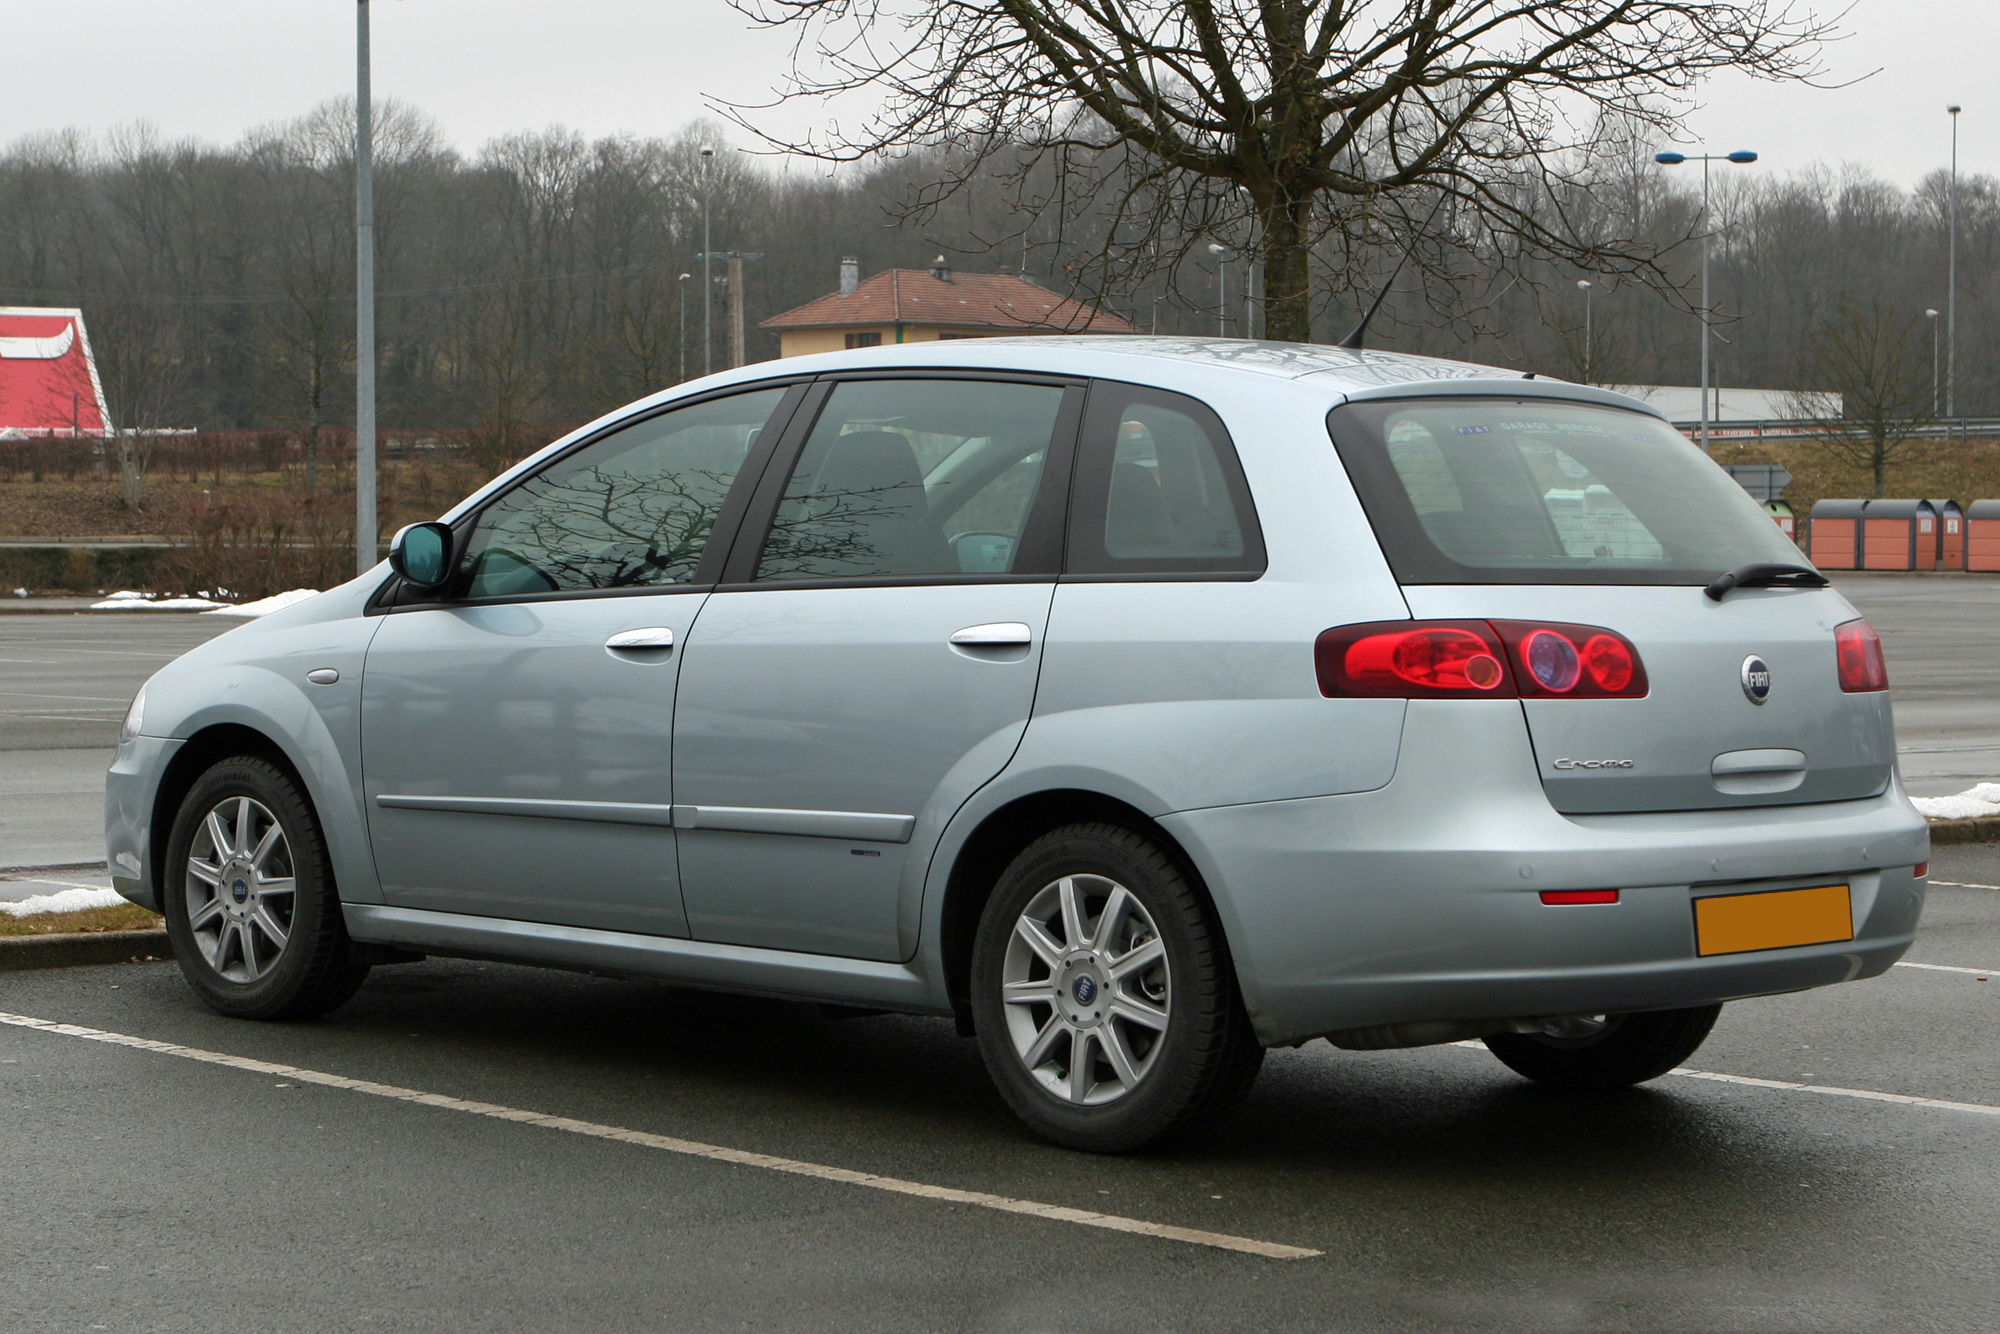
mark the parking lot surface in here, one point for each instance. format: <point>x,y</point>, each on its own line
<point>147,1190</point>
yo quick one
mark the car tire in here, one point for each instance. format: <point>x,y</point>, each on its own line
<point>1627,1049</point>
<point>1096,941</point>
<point>248,894</point>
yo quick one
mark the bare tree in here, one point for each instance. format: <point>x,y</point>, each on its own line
<point>1874,366</point>
<point>1278,118</point>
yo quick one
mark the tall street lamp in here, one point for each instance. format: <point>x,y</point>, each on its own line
<point>707,269</point>
<point>1932,315</point>
<point>681,302</point>
<point>364,301</point>
<point>1674,160</point>
<point>1221,253</point>
<point>1951,283</point>
<point>1584,285</point>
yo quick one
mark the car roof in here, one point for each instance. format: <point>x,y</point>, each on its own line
<point>1349,372</point>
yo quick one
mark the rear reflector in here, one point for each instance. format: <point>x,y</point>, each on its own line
<point>1858,650</point>
<point>1477,660</point>
<point>1557,897</point>
<point>1920,870</point>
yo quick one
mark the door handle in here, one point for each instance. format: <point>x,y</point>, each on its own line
<point>652,636</point>
<point>1000,634</point>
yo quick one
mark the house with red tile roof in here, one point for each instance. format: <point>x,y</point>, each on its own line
<point>48,379</point>
<point>919,305</point>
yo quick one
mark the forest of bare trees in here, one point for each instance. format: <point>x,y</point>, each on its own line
<point>537,282</point>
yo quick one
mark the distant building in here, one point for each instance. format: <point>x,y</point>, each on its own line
<point>48,379</point>
<point>1682,403</point>
<point>920,306</point>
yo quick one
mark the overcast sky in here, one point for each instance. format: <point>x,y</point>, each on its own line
<point>214,68</point>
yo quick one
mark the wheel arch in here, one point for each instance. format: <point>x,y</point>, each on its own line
<point>215,742</point>
<point>998,839</point>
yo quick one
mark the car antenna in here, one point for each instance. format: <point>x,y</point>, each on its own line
<point>1353,341</point>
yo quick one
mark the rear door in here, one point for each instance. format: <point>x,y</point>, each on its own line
<point>1535,510</point>
<point>872,659</point>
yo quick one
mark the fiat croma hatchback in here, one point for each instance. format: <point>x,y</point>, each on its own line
<point>1141,704</point>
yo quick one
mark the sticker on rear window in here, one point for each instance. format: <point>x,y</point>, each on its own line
<point>1475,430</point>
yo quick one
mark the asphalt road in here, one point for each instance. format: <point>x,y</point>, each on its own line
<point>141,1190</point>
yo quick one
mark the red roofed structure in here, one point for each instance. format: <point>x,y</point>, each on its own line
<point>48,379</point>
<point>917,305</point>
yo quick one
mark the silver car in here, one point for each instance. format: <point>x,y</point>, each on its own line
<point>1140,703</point>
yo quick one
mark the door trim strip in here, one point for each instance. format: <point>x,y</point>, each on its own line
<point>857,826</point>
<point>604,812</point>
<point>860,826</point>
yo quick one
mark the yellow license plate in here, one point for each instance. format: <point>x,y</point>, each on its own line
<point>1772,920</point>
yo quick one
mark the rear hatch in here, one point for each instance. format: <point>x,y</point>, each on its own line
<point>1539,510</point>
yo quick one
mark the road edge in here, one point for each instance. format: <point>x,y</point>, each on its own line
<point>80,948</point>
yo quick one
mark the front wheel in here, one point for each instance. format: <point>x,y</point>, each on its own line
<point>1600,1052</point>
<point>1103,994</point>
<point>248,894</point>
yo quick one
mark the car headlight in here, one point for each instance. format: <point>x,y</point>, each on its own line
<point>135,718</point>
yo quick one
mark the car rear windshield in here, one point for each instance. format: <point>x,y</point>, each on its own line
<point>1534,491</point>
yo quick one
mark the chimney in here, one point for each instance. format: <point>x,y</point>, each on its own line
<point>940,270</point>
<point>850,275</point>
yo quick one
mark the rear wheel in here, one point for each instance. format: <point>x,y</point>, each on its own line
<point>1105,1003</point>
<point>1606,1051</point>
<point>248,894</point>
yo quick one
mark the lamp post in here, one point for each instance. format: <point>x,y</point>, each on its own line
<point>1932,315</point>
<point>707,270</point>
<point>364,301</point>
<point>1951,283</point>
<point>1675,160</point>
<point>681,303</point>
<point>1584,285</point>
<point>1221,253</point>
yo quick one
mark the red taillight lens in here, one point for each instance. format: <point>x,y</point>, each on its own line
<point>1858,649</point>
<point>1920,870</point>
<point>1412,660</point>
<point>1572,661</point>
<point>1557,897</point>
<point>1477,660</point>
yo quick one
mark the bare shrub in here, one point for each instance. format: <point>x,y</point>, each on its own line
<point>254,543</point>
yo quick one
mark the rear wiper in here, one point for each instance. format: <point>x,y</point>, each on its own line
<point>1760,574</point>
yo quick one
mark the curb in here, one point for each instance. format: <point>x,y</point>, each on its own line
<point>1978,829</point>
<point>75,949</point>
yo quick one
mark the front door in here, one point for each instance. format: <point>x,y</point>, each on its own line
<point>517,733</point>
<point>873,663</point>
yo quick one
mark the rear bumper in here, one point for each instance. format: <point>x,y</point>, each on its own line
<point>1420,901</point>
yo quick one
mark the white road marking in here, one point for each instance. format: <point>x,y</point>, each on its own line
<point>691,1148</point>
<point>1964,884</point>
<point>1830,1090</point>
<point>1948,968</point>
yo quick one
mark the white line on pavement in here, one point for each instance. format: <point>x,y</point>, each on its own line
<point>1977,1108</point>
<point>1964,884</point>
<point>691,1148</point>
<point>1948,968</point>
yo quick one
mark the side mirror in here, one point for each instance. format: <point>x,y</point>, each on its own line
<point>421,553</point>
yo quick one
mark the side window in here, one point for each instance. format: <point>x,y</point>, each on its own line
<point>1158,489</point>
<point>633,509</point>
<point>914,477</point>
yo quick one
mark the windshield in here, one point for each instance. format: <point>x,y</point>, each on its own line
<point>1530,491</point>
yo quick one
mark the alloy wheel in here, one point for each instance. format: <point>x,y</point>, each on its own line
<point>1087,989</point>
<point>240,889</point>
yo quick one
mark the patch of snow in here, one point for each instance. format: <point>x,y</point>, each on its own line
<point>265,606</point>
<point>126,595</point>
<point>63,900</point>
<point>1974,801</point>
<point>139,602</point>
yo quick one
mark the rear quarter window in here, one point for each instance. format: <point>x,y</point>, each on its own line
<point>1473,490</point>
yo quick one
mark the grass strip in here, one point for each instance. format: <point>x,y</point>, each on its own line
<point>123,917</point>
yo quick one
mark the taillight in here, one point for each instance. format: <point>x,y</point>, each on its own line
<point>1858,650</point>
<point>1572,661</point>
<point>1412,660</point>
<point>1557,897</point>
<point>1477,660</point>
